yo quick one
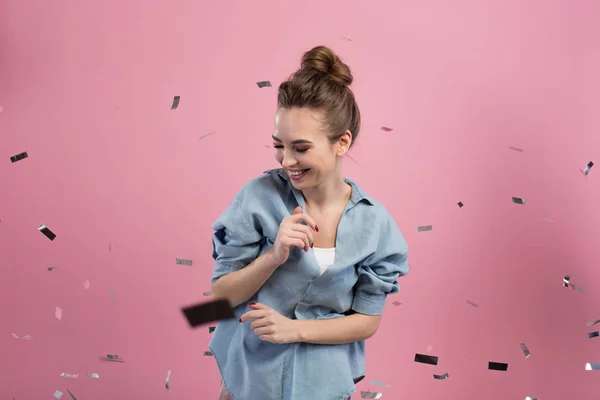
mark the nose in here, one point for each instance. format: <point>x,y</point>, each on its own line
<point>288,161</point>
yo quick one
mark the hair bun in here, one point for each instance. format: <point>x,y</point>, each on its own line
<point>324,61</point>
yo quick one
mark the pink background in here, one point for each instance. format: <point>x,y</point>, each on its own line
<point>128,186</point>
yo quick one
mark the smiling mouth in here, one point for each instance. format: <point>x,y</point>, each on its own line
<point>297,174</point>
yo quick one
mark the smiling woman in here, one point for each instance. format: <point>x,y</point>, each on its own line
<point>305,257</point>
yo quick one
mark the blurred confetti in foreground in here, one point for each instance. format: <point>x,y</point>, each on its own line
<point>168,379</point>
<point>525,350</point>
<point>86,285</point>
<point>473,304</point>
<point>58,313</point>
<point>379,384</point>
<point>114,357</point>
<point>26,337</point>
<point>93,375</point>
<point>386,129</point>
<point>515,149</point>
<point>567,283</point>
<point>592,323</point>
<point>592,367</point>
<point>71,394</point>
<point>58,394</point>
<point>66,375</point>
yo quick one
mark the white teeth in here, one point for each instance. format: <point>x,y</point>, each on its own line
<point>296,173</point>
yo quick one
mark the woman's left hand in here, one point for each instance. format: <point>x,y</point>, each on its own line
<point>271,326</point>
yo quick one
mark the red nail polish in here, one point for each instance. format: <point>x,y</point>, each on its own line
<point>311,245</point>
<point>251,304</point>
<point>316,228</point>
<point>240,320</point>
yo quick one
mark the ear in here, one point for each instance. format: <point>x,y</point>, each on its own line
<point>344,143</point>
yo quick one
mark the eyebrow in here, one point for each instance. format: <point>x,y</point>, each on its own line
<point>299,141</point>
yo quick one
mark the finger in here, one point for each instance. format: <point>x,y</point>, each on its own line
<point>267,338</point>
<point>306,230</point>
<point>264,330</point>
<point>297,210</point>
<point>260,323</point>
<point>305,218</point>
<point>257,306</point>
<point>298,236</point>
<point>252,315</point>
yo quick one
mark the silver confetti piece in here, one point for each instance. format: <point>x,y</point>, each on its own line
<point>58,394</point>
<point>182,261</point>
<point>566,280</point>
<point>114,357</point>
<point>515,149</point>
<point>531,398</point>
<point>263,84</point>
<point>593,334</point>
<point>443,376</point>
<point>379,384</point>
<point>587,168</point>
<point>168,379</point>
<point>386,129</point>
<point>66,375</point>
<point>47,232</point>
<point>525,350</point>
<point>71,394</point>
<point>207,294</point>
<point>592,367</point>
<point>424,228</point>
<point>19,157</point>
<point>26,337</point>
<point>518,200</point>
<point>592,323</point>
<point>370,395</point>
<point>473,304</point>
<point>93,375</point>
<point>175,102</point>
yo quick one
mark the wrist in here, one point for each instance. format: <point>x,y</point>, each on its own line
<point>299,331</point>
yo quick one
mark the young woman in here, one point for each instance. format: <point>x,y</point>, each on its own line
<point>305,257</point>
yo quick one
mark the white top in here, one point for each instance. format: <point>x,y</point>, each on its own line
<point>325,257</point>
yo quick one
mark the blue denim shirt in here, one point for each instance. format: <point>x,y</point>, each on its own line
<point>370,255</point>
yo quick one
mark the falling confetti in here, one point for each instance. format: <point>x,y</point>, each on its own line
<point>58,313</point>
<point>515,149</point>
<point>443,376</point>
<point>589,166</point>
<point>567,283</point>
<point>86,285</point>
<point>208,312</point>
<point>168,379</point>
<point>205,135</point>
<point>397,303</point>
<point>531,398</point>
<point>175,102</point>
<point>386,129</point>
<point>594,334</point>
<point>263,84</point>
<point>424,228</point>
<point>525,350</point>
<point>112,295</point>
<point>47,232</point>
<point>379,384</point>
<point>114,357</point>
<point>592,367</point>
<point>181,261</point>
<point>19,157</point>
<point>207,294</point>
<point>66,375</point>
<point>208,353</point>
<point>51,268</point>
<point>211,329</point>
<point>71,394</point>
<point>26,337</point>
<point>473,304</point>
<point>460,204</point>
<point>58,394</point>
<point>425,359</point>
<point>93,375</point>
<point>592,323</point>
<point>370,395</point>
<point>518,200</point>
<point>496,366</point>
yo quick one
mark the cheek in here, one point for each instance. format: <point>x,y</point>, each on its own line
<point>278,156</point>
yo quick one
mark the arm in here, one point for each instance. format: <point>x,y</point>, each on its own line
<point>341,330</point>
<point>239,286</point>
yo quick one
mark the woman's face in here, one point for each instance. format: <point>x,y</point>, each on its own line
<point>303,148</point>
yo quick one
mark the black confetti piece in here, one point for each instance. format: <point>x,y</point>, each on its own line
<point>263,84</point>
<point>211,329</point>
<point>496,366</point>
<point>443,376</point>
<point>175,103</point>
<point>50,268</point>
<point>205,135</point>
<point>208,312</point>
<point>182,261</point>
<point>425,359</point>
<point>71,394</point>
<point>594,334</point>
<point>208,353</point>
<point>460,204</point>
<point>518,200</point>
<point>424,228</point>
<point>19,157</point>
<point>473,304</point>
<point>386,129</point>
<point>47,232</point>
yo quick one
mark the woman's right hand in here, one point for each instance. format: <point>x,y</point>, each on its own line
<point>292,233</point>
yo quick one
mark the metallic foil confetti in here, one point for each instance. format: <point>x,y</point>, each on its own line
<point>58,394</point>
<point>566,280</point>
<point>208,312</point>
<point>86,285</point>
<point>19,157</point>
<point>515,149</point>
<point>263,84</point>
<point>71,394</point>
<point>175,102</point>
<point>208,134</point>
<point>16,336</point>
<point>26,337</point>
<point>592,367</point>
<point>525,350</point>
<point>211,329</point>
<point>168,379</point>
<point>370,395</point>
<point>473,304</point>
<point>424,228</point>
<point>47,232</point>
<point>518,200</point>
<point>93,375</point>
<point>496,366</point>
<point>396,303</point>
<point>66,375</point>
<point>425,359</point>
<point>207,294</point>
<point>592,323</point>
<point>208,353</point>
<point>549,220</point>
<point>58,313</point>
<point>460,204</point>
<point>112,295</point>
<point>442,376</point>
<point>531,398</point>
<point>594,334</point>
<point>181,261</point>
<point>379,384</point>
<point>587,168</point>
<point>114,357</point>
<point>386,129</point>
<point>51,268</point>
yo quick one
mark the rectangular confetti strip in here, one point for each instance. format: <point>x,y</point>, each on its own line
<point>182,261</point>
<point>168,379</point>
<point>71,394</point>
<point>531,398</point>
<point>19,157</point>
<point>589,166</point>
<point>263,84</point>
<point>515,149</point>
<point>58,394</point>
<point>208,312</point>
<point>66,375</point>
<point>396,303</point>
<point>518,200</point>
<point>442,376</point>
<point>496,366</point>
<point>424,228</point>
<point>51,269</point>
<point>47,232</point>
<point>473,304</point>
<point>370,395</point>
<point>93,375</point>
<point>208,353</point>
<point>386,129</point>
<point>592,367</point>
<point>205,135</point>
<point>58,313</point>
<point>175,102</point>
<point>425,359</point>
<point>525,350</point>
<point>594,334</point>
<point>114,357</point>
<point>460,204</point>
<point>207,294</point>
<point>379,384</point>
<point>592,323</point>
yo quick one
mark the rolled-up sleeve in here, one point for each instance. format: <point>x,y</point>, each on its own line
<point>377,275</point>
<point>235,242</point>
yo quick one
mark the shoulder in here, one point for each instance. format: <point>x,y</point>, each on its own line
<point>264,186</point>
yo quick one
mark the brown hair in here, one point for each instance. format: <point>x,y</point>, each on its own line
<point>322,83</point>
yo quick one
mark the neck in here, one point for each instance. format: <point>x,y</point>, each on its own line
<point>331,192</point>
